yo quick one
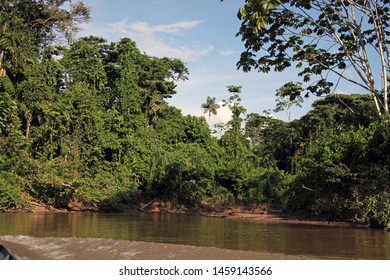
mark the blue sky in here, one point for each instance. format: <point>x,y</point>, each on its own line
<point>202,34</point>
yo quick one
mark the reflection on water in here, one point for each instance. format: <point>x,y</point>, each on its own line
<point>299,240</point>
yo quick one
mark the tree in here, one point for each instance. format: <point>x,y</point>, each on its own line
<point>27,25</point>
<point>157,81</point>
<point>235,107</point>
<point>351,183</point>
<point>287,96</point>
<point>272,140</point>
<point>234,137</point>
<point>327,40</point>
<point>83,62</point>
<point>210,106</point>
<point>37,90</point>
<point>339,112</point>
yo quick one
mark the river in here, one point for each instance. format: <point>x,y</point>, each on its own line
<point>181,236</point>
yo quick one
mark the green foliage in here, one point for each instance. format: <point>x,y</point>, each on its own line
<point>88,124</point>
<point>11,194</point>
<point>374,210</point>
<point>26,26</point>
<point>184,174</point>
<point>8,118</point>
<point>83,63</point>
<point>85,113</point>
<point>288,95</point>
<point>269,186</point>
<point>273,141</point>
<point>336,157</point>
<point>351,183</point>
<point>321,39</point>
<point>234,175</point>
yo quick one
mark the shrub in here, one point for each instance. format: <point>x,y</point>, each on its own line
<point>268,185</point>
<point>11,194</point>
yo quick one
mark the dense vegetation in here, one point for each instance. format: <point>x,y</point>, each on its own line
<point>88,123</point>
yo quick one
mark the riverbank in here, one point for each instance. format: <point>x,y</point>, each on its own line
<point>252,213</point>
<point>275,217</point>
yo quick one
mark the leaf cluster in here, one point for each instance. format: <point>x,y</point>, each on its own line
<point>323,39</point>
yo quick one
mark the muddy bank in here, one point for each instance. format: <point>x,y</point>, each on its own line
<point>254,213</point>
<point>274,217</point>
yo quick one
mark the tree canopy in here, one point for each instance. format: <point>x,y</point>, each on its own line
<point>328,41</point>
<point>27,25</point>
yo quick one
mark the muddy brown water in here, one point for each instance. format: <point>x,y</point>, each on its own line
<point>181,236</point>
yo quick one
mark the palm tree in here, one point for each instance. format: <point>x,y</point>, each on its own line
<point>210,106</point>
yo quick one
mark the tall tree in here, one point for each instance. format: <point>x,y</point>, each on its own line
<point>234,134</point>
<point>84,62</point>
<point>210,107</point>
<point>329,41</point>
<point>157,82</point>
<point>27,25</point>
<point>288,96</point>
<point>233,103</point>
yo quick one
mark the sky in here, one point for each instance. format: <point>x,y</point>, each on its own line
<point>202,34</point>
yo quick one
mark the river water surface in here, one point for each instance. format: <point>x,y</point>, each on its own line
<point>181,236</point>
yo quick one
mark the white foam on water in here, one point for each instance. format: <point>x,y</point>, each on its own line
<point>109,249</point>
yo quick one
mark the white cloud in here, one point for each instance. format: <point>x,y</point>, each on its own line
<point>174,28</point>
<point>223,115</point>
<point>148,38</point>
<point>227,52</point>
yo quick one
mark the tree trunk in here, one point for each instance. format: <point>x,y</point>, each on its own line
<point>28,117</point>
